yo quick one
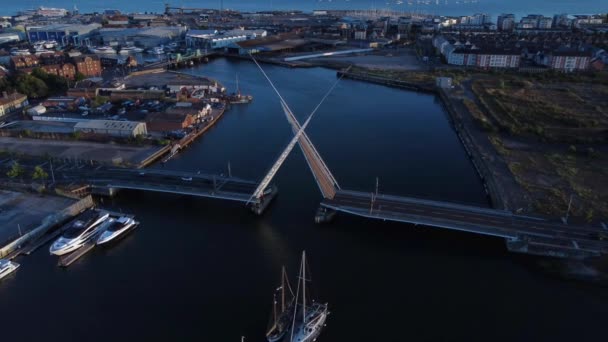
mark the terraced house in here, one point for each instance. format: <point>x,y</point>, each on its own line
<point>11,102</point>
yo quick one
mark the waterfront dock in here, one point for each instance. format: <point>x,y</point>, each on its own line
<point>67,260</point>
<point>43,232</point>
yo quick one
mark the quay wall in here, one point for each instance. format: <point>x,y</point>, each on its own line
<point>48,223</point>
<point>388,82</point>
<point>467,140</point>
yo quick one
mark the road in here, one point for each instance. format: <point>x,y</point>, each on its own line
<point>196,184</point>
<point>468,218</point>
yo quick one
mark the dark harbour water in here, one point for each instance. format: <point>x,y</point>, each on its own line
<point>200,270</point>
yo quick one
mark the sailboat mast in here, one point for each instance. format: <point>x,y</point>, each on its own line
<point>304,286</point>
<point>274,308</point>
<point>238,90</point>
<point>295,311</point>
<point>283,290</point>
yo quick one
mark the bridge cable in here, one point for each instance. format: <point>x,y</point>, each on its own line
<point>292,119</point>
<point>273,170</point>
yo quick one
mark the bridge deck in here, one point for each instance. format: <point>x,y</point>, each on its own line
<point>466,218</point>
<point>176,182</point>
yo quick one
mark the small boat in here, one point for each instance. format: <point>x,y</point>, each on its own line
<point>281,314</point>
<point>308,317</point>
<point>159,50</point>
<point>20,52</point>
<point>117,228</point>
<point>7,267</point>
<point>237,98</point>
<point>103,49</point>
<point>42,52</point>
<point>82,230</point>
<point>50,44</point>
<point>130,49</point>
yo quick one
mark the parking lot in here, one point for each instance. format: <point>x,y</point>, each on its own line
<point>22,212</point>
<point>82,150</point>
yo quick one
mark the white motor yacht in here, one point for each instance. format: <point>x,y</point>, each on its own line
<point>82,230</point>
<point>42,52</point>
<point>116,228</point>
<point>7,267</point>
<point>103,49</point>
<point>20,52</point>
<point>50,44</point>
<point>159,50</point>
<point>130,49</point>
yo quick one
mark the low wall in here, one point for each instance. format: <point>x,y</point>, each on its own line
<point>48,223</point>
<point>388,82</point>
<point>475,156</point>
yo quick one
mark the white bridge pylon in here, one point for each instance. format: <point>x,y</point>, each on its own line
<point>325,180</point>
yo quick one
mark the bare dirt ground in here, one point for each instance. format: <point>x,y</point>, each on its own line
<point>553,139</point>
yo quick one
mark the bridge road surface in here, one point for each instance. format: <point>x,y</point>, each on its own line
<point>187,183</point>
<point>467,218</point>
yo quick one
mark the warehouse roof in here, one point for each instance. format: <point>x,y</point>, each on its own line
<point>108,124</point>
<point>80,28</point>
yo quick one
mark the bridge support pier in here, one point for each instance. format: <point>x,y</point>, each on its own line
<point>104,191</point>
<point>324,215</point>
<point>259,207</point>
<point>548,247</point>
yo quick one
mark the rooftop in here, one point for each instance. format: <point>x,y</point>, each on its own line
<point>108,124</point>
<point>12,97</point>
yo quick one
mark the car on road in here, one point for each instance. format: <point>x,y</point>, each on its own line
<point>187,179</point>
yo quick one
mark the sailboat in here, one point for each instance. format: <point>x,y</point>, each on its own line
<point>309,316</point>
<point>281,311</point>
<point>237,98</point>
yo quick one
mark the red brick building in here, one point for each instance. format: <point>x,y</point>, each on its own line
<point>88,65</point>
<point>52,58</point>
<point>66,70</point>
<point>23,62</point>
<point>165,122</point>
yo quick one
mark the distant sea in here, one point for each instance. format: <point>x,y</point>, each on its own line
<point>444,7</point>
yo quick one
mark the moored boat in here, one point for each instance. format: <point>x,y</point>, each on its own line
<point>82,230</point>
<point>238,98</point>
<point>116,228</point>
<point>159,50</point>
<point>130,49</point>
<point>7,267</point>
<point>282,310</point>
<point>103,50</point>
<point>309,316</point>
<point>20,52</point>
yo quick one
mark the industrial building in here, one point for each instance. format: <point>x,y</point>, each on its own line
<point>113,128</point>
<point>63,34</point>
<point>14,36</point>
<point>211,39</point>
<point>148,37</point>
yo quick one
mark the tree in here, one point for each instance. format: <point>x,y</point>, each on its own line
<point>40,174</point>
<point>31,86</point>
<point>16,171</point>
<point>79,76</point>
